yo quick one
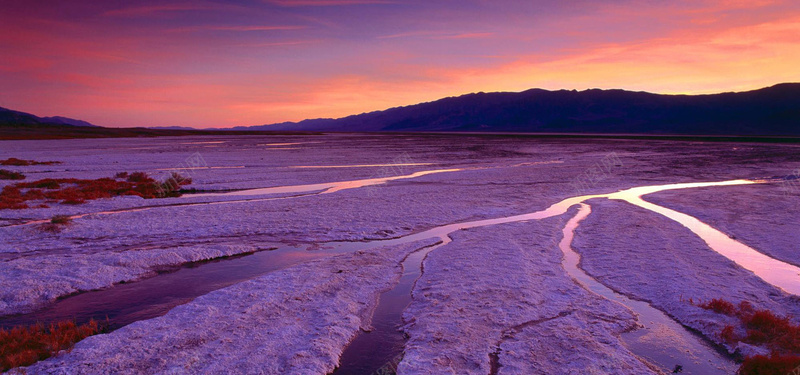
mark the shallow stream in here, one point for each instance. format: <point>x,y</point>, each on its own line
<point>662,341</point>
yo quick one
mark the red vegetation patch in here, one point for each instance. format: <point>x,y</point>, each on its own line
<point>777,364</point>
<point>11,198</point>
<point>77,191</point>
<point>719,306</point>
<point>60,219</point>
<point>728,335</point>
<point>21,162</point>
<point>175,181</point>
<point>138,177</point>
<point>56,224</point>
<point>762,328</point>
<point>9,175</point>
<point>23,346</point>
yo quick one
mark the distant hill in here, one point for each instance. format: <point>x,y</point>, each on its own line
<point>10,117</point>
<point>21,125</point>
<point>772,111</point>
<point>768,112</point>
<point>176,128</point>
<point>66,121</point>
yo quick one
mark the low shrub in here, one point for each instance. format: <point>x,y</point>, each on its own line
<point>9,175</point>
<point>78,191</point>
<point>56,224</point>
<point>174,183</point>
<point>763,328</point>
<point>47,183</point>
<point>22,162</point>
<point>61,219</point>
<point>11,198</point>
<point>728,335</point>
<point>777,364</point>
<point>719,306</point>
<point>24,346</point>
<point>138,177</point>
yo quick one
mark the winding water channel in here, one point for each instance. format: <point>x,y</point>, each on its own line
<point>660,340</point>
<point>368,352</point>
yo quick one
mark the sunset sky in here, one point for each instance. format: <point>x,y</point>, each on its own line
<point>218,64</point>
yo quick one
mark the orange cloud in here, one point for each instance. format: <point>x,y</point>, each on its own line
<point>765,54</point>
<point>124,67</point>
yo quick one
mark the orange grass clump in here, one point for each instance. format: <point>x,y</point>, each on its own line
<point>5,174</point>
<point>777,364</point>
<point>21,162</point>
<point>56,224</point>
<point>719,306</point>
<point>23,346</point>
<point>764,328</point>
<point>77,191</point>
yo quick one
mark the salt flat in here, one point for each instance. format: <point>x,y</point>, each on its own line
<point>488,282</point>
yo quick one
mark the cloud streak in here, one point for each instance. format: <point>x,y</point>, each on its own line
<point>436,35</point>
<point>327,3</point>
<point>149,10</point>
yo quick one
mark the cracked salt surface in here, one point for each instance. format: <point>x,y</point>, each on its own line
<point>697,351</point>
<point>674,344</point>
<point>660,340</point>
<point>398,209</point>
<point>297,320</point>
<point>151,297</point>
<point>776,272</point>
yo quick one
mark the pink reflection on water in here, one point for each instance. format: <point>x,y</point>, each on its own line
<point>325,187</point>
<point>773,271</point>
<point>361,165</point>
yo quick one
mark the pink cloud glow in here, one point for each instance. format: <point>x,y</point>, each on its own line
<point>210,65</point>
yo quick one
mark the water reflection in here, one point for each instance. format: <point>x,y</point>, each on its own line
<point>325,187</point>
<point>771,270</point>
<point>360,165</point>
<point>660,340</point>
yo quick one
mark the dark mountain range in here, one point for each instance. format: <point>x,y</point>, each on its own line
<point>66,121</point>
<point>772,111</point>
<point>21,125</point>
<point>10,117</point>
<point>177,128</point>
<point>768,112</point>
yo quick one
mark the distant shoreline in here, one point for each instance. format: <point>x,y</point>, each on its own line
<point>70,132</point>
<point>74,132</point>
